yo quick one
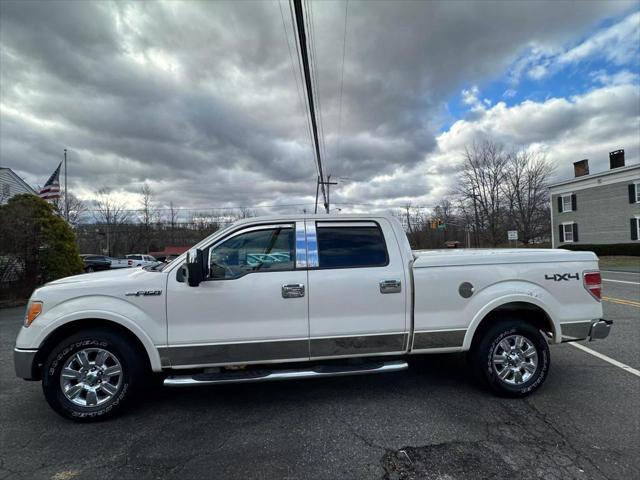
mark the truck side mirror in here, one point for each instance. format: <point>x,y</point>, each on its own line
<point>195,267</point>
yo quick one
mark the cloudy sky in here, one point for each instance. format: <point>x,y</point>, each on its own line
<point>201,100</point>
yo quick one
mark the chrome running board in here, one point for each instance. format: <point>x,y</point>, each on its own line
<point>239,376</point>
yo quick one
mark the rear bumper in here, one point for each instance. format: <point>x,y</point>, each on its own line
<point>23,362</point>
<point>591,329</point>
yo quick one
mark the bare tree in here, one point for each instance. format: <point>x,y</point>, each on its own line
<point>111,213</point>
<point>173,220</point>
<point>77,208</point>
<point>148,214</point>
<point>407,208</point>
<point>244,212</point>
<point>527,194</point>
<point>481,188</point>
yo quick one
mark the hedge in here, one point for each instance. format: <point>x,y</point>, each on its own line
<point>629,249</point>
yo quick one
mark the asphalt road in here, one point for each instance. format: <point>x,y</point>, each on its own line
<point>429,422</point>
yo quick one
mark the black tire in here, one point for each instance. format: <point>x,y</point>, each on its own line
<point>133,367</point>
<point>88,269</point>
<point>488,373</point>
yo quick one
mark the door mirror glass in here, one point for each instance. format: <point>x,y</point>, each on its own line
<point>195,267</point>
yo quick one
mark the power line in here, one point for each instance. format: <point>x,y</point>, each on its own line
<point>205,209</point>
<point>301,71</point>
<point>315,75</point>
<point>344,49</point>
<point>308,82</point>
<point>301,104</point>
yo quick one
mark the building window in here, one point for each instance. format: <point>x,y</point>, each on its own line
<point>567,203</point>
<point>568,232</point>
<point>637,189</point>
<point>635,228</point>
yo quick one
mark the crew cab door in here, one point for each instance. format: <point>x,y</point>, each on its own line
<point>251,308</point>
<point>357,289</point>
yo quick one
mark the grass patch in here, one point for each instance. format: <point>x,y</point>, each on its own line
<point>631,263</point>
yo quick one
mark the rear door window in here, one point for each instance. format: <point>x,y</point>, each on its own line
<point>351,246</point>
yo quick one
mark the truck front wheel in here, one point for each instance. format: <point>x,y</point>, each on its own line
<point>92,375</point>
<point>512,357</point>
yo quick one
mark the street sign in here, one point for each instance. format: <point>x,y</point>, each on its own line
<point>512,235</point>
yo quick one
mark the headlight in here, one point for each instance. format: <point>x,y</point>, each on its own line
<point>33,310</point>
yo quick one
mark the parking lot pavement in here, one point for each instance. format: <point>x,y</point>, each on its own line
<point>622,305</point>
<point>428,422</point>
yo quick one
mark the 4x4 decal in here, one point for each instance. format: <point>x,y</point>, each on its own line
<point>558,277</point>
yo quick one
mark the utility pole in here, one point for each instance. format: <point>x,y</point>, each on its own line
<point>328,184</point>
<point>66,192</point>
<point>302,40</point>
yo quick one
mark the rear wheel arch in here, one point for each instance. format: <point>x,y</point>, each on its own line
<point>76,326</point>
<point>527,312</point>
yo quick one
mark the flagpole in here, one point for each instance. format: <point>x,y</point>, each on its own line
<point>66,192</point>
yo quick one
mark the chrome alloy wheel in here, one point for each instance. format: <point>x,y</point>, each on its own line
<point>91,377</point>
<point>515,359</point>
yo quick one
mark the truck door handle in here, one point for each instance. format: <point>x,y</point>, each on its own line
<point>293,290</point>
<point>390,286</point>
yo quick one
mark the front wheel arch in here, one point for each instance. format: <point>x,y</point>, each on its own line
<point>76,326</point>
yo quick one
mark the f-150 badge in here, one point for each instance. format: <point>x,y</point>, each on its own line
<point>144,293</point>
<point>558,277</point>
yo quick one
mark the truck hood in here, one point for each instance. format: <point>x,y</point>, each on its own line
<point>123,284</point>
<point>487,256</point>
<point>100,277</point>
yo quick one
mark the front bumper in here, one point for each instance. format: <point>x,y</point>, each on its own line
<point>600,329</point>
<point>24,362</point>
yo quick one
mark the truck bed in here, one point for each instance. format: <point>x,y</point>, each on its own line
<point>485,256</point>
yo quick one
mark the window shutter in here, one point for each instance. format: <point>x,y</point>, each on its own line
<point>634,229</point>
<point>632,193</point>
<point>561,237</point>
<point>560,203</point>
<point>575,232</point>
<point>574,202</point>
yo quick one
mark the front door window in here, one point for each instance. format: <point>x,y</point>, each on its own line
<point>263,249</point>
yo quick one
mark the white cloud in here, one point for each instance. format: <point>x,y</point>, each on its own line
<point>585,126</point>
<point>622,77</point>
<point>566,130</point>
<point>618,44</point>
<point>471,97</point>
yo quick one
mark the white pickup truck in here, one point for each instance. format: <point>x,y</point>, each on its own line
<point>273,298</point>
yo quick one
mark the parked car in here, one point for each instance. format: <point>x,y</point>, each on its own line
<point>140,260</point>
<point>93,263</point>
<point>120,262</point>
<point>281,297</point>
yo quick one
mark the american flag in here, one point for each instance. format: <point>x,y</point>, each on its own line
<point>51,189</point>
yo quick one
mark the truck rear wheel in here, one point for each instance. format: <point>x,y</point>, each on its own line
<point>92,375</point>
<point>512,357</point>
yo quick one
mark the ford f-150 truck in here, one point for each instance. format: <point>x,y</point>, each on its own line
<point>273,298</point>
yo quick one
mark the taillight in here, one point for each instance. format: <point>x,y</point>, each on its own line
<point>593,283</point>
<point>130,262</point>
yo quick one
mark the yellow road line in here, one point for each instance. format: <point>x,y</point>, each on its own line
<point>621,301</point>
